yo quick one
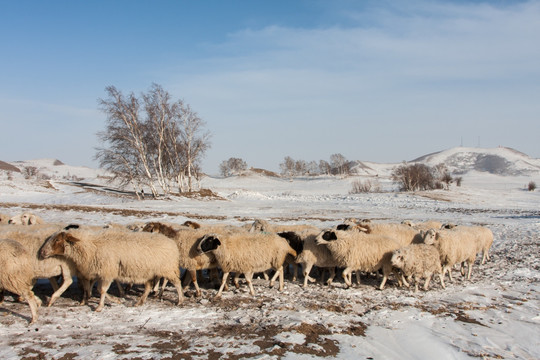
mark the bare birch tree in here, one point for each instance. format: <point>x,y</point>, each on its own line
<point>162,142</point>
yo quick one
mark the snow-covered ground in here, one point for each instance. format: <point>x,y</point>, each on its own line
<point>495,315</point>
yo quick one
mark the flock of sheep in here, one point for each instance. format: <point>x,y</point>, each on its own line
<point>154,254</point>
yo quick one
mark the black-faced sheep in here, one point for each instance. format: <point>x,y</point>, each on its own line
<point>108,254</point>
<point>187,241</point>
<point>317,255</point>
<point>357,251</point>
<point>247,254</point>
<point>17,274</point>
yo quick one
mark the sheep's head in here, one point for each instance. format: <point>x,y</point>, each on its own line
<point>208,243</point>
<point>448,226</point>
<point>325,236</point>
<point>259,226</point>
<point>429,236</point>
<point>408,223</point>
<point>192,224</point>
<point>398,259</point>
<point>56,244</point>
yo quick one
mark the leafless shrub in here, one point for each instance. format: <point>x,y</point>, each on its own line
<point>414,177</point>
<point>532,186</point>
<point>232,166</point>
<point>359,186</point>
<point>30,172</point>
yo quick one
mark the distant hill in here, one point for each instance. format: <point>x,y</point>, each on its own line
<point>460,160</point>
<point>8,167</point>
<point>499,161</point>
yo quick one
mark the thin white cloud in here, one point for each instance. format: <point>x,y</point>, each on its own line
<point>424,64</point>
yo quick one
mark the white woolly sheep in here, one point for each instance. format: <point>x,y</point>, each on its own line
<point>190,258</point>
<point>418,261</point>
<point>260,225</point>
<point>17,274</point>
<point>426,225</point>
<point>32,238</point>
<point>26,219</point>
<point>481,235</point>
<point>248,254</point>
<point>357,251</point>
<point>106,255</point>
<point>454,247</point>
<point>403,234</point>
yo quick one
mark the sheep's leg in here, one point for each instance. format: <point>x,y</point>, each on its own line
<point>428,279</point>
<point>470,263</point>
<point>332,271</point>
<point>462,268</point>
<point>193,274</point>
<point>357,273</point>
<point>346,278</point>
<point>236,280</point>
<point>416,282</point>
<point>249,276</point>
<point>223,282</point>
<point>87,286</point>
<point>178,285</point>
<point>54,283</point>
<point>65,284</point>
<point>295,272</point>
<point>188,278</point>
<point>103,287</point>
<point>29,295</point>
<point>265,275</point>
<point>441,277</point>
<point>279,272</point>
<point>147,289</point>
<point>449,269</point>
<point>307,270</point>
<point>384,278</point>
<point>281,279</point>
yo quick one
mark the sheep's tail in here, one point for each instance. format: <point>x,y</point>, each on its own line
<point>292,252</point>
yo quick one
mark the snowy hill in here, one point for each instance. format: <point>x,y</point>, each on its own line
<point>499,161</point>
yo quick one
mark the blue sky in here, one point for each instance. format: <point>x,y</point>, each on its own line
<point>381,81</point>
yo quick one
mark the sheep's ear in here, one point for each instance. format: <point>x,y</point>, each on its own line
<point>32,220</point>
<point>71,226</point>
<point>363,229</point>
<point>329,236</point>
<point>342,227</point>
<point>71,239</point>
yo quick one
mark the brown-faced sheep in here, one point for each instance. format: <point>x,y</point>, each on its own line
<point>32,237</point>
<point>109,254</point>
<point>17,274</point>
<point>247,254</point>
<point>418,261</point>
<point>357,251</point>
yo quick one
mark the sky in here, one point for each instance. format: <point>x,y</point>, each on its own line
<point>380,81</point>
